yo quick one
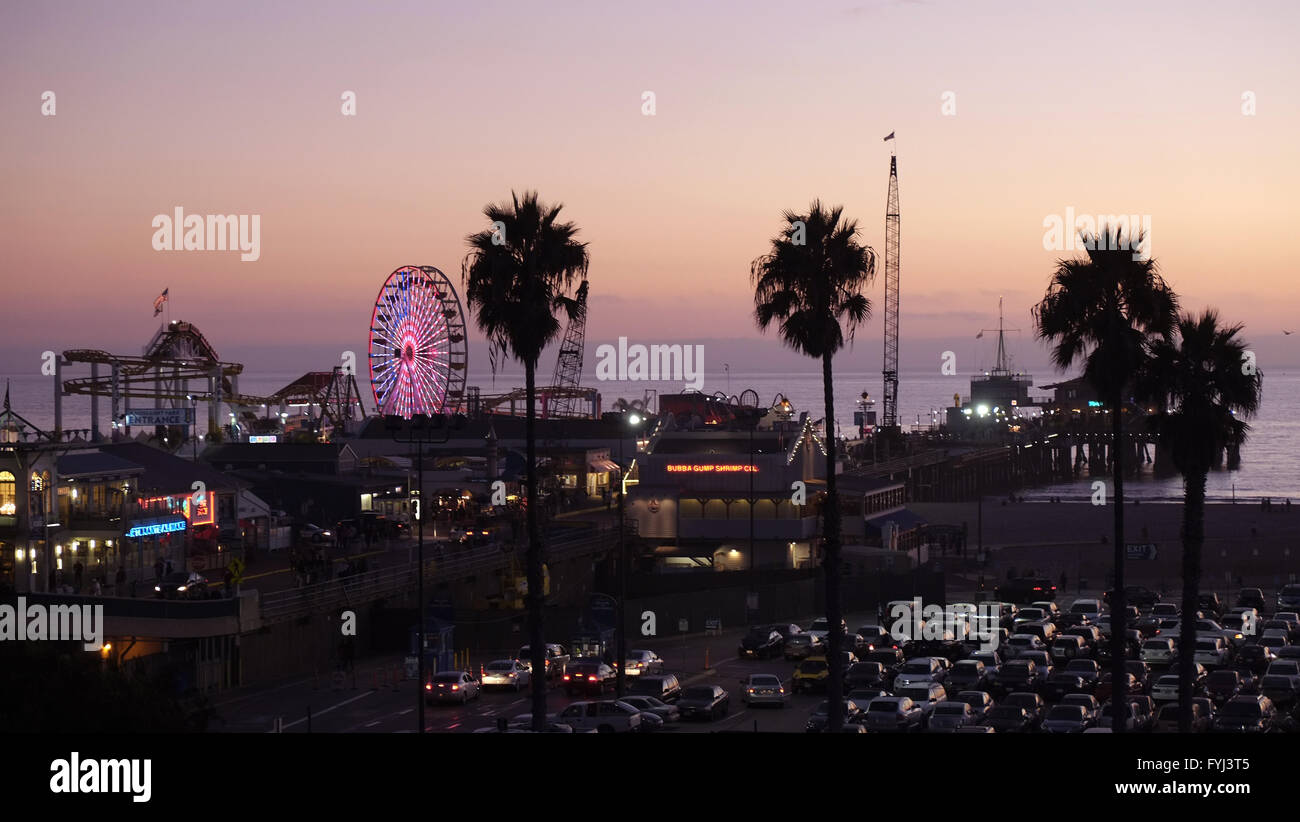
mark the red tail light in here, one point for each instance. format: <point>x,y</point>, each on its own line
<point>455,687</point>
<point>591,678</point>
<point>566,677</point>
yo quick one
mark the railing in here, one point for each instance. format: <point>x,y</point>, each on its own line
<point>357,589</point>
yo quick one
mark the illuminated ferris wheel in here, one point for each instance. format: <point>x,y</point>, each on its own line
<point>417,344</point>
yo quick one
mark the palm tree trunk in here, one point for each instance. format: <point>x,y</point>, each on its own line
<point>536,637</point>
<point>1117,599</point>
<point>831,564</point>
<point>1193,540</point>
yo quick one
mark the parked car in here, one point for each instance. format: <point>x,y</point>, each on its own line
<point>968,674</point>
<point>452,686</point>
<point>1211,651</point>
<point>1009,719</point>
<point>811,674</point>
<point>1157,650</point>
<point>1065,648</point>
<point>1210,605</point>
<point>763,689</point>
<point>817,722</point>
<point>505,673</point>
<point>1251,597</point>
<point>1016,675</point>
<point>921,669</point>
<point>585,677</point>
<point>949,716</point>
<point>604,716</point>
<point>1032,703</point>
<point>894,713</point>
<point>1061,684</point>
<point>1255,658</point>
<point>1225,683</point>
<point>1167,719</point>
<point>707,701</point>
<point>1019,643</point>
<point>663,687</point>
<point>1246,714</point>
<point>867,675</point>
<point>1066,719</point>
<point>762,643</point>
<point>802,646</point>
<point>979,701</point>
<point>1281,689</point>
<point>1086,701</point>
<point>925,695</point>
<point>1288,598</point>
<point>648,704</point>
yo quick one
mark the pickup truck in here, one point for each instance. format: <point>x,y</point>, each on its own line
<point>556,659</point>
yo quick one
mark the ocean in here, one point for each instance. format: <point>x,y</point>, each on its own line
<point>1270,464</point>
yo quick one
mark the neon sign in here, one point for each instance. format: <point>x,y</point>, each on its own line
<point>713,469</point>
<point>156,528</point>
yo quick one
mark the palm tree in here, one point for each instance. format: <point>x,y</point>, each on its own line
<point>1105,310</point>
<point>809,283</point>
<point>517,276</point>
<point>1198,374</point>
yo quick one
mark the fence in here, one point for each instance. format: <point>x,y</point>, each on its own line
<point>357,589</point>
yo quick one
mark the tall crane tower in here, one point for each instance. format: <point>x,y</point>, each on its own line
<point>568,365</point>
<point>890,421</point>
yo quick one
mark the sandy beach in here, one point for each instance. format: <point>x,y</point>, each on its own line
<point>1245,544</point>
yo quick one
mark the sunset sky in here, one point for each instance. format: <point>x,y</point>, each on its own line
<point>234,108</point>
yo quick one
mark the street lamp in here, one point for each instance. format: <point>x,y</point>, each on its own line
<point>634,420</point>
<point>417,428</point>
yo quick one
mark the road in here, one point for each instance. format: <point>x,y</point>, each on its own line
<point>376,699</point>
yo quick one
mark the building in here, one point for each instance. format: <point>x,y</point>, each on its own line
<point>690,495</point>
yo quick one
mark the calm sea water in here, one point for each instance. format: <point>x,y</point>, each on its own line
<point>1270,460</point>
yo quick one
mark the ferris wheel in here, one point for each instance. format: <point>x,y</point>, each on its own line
<point>417,344</point>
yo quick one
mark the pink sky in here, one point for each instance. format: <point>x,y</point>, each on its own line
<point>234,108</point>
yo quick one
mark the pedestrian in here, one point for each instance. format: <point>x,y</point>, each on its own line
<point>96,589</point>
<point>77,571</point>
<point>169,567</point>
<point>120,581</point>
<point>158,570</point>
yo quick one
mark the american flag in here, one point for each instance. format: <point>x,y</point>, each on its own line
<point>158,302</point>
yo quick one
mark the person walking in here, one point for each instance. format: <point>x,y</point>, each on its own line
<point>169,567</point>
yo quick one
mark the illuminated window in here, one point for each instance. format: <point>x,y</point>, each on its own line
<point>8,494</point>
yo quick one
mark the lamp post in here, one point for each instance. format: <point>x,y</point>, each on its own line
<point>194,425</point>
<point>620,682</point>
<point>753,563</point>
<point>418,430</point>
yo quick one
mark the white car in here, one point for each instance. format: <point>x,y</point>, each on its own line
<point>605,716</point>
<point>1211,650</point>
<point>505,673</point>
<point>763,689</point>
<point>644,662</point>
<point>1157,651</point>
<point>1165,689</point>
<point>921,669</point>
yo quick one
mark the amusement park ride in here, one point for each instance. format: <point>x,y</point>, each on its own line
<point>418,362</point>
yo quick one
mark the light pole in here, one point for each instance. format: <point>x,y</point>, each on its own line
<point>620,683</point>
<point>194,424</point>
<point>753,562</point>
<point>418,430</point>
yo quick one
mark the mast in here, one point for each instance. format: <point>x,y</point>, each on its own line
<point>890,371</point>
